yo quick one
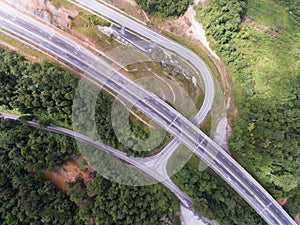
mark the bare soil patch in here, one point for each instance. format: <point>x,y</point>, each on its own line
<point>297,218</point>
<point>282,202</point>
<point>68,173</point>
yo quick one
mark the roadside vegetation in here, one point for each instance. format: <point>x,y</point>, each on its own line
<point>85,24</point>
<point>156,70</point>
<point>261,50</point>
<point>27,51</point>
<point>45,92</point>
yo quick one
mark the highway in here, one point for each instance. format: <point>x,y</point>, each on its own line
<point>153,107</point>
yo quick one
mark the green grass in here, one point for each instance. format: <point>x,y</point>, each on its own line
<point>263,58</point>
<point>280,63</point>
<point>62,3</point>
<point>274,59</point>
<point>178,159</point>
<point>206,125</point>
<point>150,68</point>
<point>24,49</point>
<point>267,12</point>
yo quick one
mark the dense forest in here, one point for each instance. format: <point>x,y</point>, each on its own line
<point>112,203</point>
<point>262,54</point>
<point>164,8</point>
<point>45,92</point>
<point>34,89</point>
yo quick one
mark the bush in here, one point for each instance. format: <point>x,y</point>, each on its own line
<point>164,8</point>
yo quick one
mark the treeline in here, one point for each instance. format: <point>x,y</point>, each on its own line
<point>264,68</point>
<point>164,8</point>
<point>42,90</point>
<point>33,149</point>
<point>222,20</point>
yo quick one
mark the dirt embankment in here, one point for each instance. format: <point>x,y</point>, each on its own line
<point>282,202</point>
<point>131,8</point>
<point>297,218</point>
<point>45,10</point>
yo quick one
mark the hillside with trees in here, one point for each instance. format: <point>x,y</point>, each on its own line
<point>261,50</point>
<point>27,198</point>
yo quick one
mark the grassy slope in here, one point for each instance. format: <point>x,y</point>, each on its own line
<point>263,59</point>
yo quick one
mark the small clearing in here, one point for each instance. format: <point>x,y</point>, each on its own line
<point>68,173</point>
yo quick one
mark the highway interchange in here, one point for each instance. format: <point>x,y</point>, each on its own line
<point>149,104</point>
